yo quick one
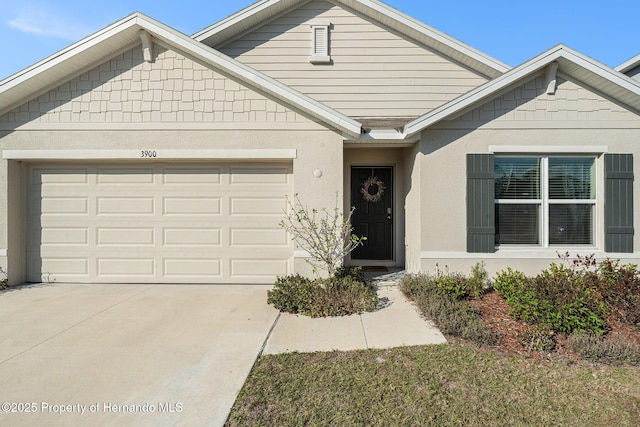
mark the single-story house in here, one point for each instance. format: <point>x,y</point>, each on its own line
<point>143,155</point>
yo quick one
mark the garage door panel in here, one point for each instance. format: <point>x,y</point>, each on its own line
<point>125,206</point>
<point>65,176</point>
<point>108,236</point>
<point>192,236</point>
<point>122,176</point>
<point>252,268</point>
<point>194,176</point>
<point>252,206</point>
<point>60,236</point>
<point>191,206</point>
<point>192,268</point>
<point>177,223</point>
<point>264,237</point>
<point>63,205</point>
<point>126,267</point>
<point>67,266</point>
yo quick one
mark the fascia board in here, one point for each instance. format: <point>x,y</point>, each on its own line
<point>628,64</point>
<point>234,19</point>
<point>70,51</point>
<point>529,68</point>
<point>249,75</point>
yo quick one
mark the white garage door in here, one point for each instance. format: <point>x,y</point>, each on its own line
<point>158,223</point>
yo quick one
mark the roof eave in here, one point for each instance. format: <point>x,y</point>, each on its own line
<point>628,65</point>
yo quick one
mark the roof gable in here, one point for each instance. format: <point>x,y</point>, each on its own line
<point>578,67</point>
<point>174,89</point>
<point>266,10</point>
<point>126,33</point>
<point>374,72</point>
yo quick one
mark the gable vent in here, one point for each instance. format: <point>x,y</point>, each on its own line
<point>320,42</point>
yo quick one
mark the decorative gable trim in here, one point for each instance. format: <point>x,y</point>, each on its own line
<point>320,42</point>
<point>594,74</point>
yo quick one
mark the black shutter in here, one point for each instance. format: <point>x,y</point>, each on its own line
<point>618,205</point>
<point>480,203</point>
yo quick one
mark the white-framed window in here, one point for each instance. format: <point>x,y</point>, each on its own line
<point>320,42</point>
<point>545,201</point>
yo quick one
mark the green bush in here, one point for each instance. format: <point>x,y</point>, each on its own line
<point>459,287</point>
<point>556,298</point>
<point>292,294</point>
<point>356,273</point>
<point>451,316</point>
<point>619,286</point>
<point>598,349</point>
<point>336,296</point>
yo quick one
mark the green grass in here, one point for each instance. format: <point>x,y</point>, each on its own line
<point>455,384</point>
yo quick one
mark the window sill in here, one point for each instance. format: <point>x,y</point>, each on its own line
<point>320,59</point>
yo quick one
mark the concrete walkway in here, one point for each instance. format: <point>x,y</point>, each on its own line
<point>395,323</point>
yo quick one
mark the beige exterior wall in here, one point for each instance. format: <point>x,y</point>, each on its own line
<point>172,89</point>
<point>536,121</point>
<point>315,150</point>
<point>170,104</point>
<point>374,72</point>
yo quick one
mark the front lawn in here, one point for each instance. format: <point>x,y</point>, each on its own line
<point>452,384</point>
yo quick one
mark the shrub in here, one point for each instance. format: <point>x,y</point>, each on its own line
<point>598,349</point>
<point>557,298</point>
<point>619,286</point>
<point>342,296</point>
<point>336,296</point>
<point>478,281</point>
<point>454,285</point>
<point>451,316</point>
<point>459,287</point>
<point>356,273</point>
<point>292,294</point>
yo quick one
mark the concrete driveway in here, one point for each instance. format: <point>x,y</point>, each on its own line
<point>127,354</point>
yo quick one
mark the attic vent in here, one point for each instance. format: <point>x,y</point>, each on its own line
<point>320,42</point>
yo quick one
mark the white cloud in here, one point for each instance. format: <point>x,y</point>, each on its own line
<point>41,22</point>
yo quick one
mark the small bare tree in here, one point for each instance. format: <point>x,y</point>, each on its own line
<point>326,235</point>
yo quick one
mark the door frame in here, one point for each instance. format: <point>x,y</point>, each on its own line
<point>392,262</point>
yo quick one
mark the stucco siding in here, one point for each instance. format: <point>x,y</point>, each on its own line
<point>171,89</point>
<point>374,71</point>
<point>528,120</point>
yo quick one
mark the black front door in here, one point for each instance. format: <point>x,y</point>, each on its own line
<point>372,196</point>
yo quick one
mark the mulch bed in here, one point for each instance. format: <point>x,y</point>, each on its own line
<point>512,333</point>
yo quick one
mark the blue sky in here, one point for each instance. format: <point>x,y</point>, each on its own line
<point>511,31</point>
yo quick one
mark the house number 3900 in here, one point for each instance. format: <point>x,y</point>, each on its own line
<point>148,154</point>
